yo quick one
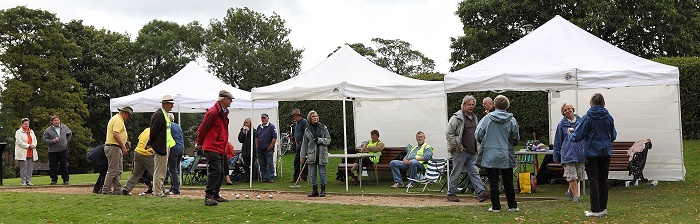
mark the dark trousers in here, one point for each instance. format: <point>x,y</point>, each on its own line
<point>597,170</point>
<point>215,178</point>
<point>298,166</point>
<point>507,175</point>
<point>56,159</point>
<point>246,169</point>
<point>100,180</point>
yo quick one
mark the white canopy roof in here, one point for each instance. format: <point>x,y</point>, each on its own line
<point>193,89</point>
<point>348,74</point>
<point>542,60</point>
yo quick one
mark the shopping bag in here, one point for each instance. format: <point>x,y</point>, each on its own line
<point>524,183</point>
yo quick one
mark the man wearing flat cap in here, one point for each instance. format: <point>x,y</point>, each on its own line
<point>161,140</point>
<point>212,138</point>
<point>300,125</point>
<point>265,138</point>
<point>115,149</point>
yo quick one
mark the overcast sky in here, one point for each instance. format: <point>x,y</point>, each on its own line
<point>317,26</point>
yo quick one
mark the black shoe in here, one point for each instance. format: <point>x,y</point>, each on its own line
<point>210,202</point>
<point>220,199</point>
<point>66,183</point>
<point>53,182</point>
<point>314,193</point>
<point>125,192</point>
<point>323,191</point>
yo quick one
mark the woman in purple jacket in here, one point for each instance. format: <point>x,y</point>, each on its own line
<point>568,153</point>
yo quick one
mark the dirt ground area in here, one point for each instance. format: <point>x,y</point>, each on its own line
<point>399,200</point>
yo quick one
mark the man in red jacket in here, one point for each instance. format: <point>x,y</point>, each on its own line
<point>212,137</point>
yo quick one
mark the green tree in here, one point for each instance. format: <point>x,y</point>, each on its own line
<point>396,56</point>
<point>35,56</point>
<point>163,48</point>
<point>102,69</point>
<point>248,49</point>
<point>645,28</point>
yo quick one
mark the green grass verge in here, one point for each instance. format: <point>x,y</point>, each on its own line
<point>669,202</point>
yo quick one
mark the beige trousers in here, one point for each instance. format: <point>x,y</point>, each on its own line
<point>114,170</point>
<point>160,165</point>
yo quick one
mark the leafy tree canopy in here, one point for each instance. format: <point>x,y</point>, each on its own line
<point>248,49</point>
<point>648,29</point>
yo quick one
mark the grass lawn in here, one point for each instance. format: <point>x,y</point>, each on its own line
<point>669,202</point>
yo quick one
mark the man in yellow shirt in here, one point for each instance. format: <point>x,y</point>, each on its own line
<point>143,161</point>
<point>115,149</point>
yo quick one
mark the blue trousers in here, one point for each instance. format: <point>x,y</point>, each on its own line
<point>267,166</point>
<point>321,169</point>
<point>397,166</point>
<point>468,160</point>
<point>174,159</point>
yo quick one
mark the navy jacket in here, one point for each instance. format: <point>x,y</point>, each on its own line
<point>98,159</point>
<point>597,130</point>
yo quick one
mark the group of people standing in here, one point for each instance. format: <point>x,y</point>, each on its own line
<point>56,136</point>
<point>158,152</point>
<point>580,143</point>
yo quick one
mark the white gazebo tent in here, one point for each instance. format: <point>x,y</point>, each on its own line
<point>559,57</point>
<point>195,91</point>
<point>395,105</point>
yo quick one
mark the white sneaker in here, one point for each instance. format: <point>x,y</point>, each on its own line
<point>593,214</point>
<point>604,212</point>
<point>397,185</point>
<point>513,209</point>
<point>492,210</point>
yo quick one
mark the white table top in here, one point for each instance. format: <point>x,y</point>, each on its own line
<point>525,152</point>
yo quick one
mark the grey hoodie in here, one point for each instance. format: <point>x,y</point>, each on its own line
<point>62,144</point>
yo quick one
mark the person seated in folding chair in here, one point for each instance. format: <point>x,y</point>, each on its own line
<point>433,174</point>
<point>415,162</point>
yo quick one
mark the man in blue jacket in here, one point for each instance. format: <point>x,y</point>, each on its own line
<point>597,130</point>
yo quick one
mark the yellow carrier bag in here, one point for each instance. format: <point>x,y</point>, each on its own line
<point>524,183</point>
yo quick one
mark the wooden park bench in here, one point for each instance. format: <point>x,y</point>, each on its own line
<point>388,154</point>
<point>620,161</point>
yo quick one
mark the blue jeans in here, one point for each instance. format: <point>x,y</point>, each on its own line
<point>267,166</point>
<point>413,168</point>
<point>174,159</point>
<point>465,159</point>
<point>321,172</point>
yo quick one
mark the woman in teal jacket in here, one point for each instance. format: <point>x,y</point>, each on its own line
<point>498,133</point>
<point>314,151</point>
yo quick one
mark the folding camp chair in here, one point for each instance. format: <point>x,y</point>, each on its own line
<point>433,174</point>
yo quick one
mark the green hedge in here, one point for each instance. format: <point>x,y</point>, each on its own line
<point>528,108</point>
<point>689,68</point>
<point>330,113</point>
